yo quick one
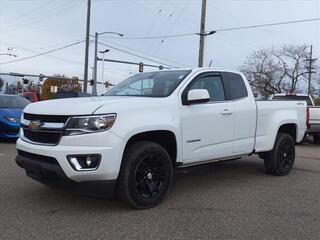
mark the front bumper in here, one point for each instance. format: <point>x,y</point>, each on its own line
<point>106,144</point>
<point>48,171</point>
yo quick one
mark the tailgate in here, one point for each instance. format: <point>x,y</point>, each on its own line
<point>314,115</point>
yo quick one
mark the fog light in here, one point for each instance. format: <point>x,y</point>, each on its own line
<point>84,162</point>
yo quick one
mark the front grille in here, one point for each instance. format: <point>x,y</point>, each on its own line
<point>46,118</point>
<point>45,137</point>
<point>36,157</point>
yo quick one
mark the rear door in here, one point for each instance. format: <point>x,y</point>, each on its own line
<point>207,128</point>
<point>244,110</point>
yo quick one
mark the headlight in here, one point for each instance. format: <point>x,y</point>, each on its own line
<point>12,119</point>
<point>89,124</point>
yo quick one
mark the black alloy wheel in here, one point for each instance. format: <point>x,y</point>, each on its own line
<point>146,175</point>
<point>280,160</point>
<point>150,176</point>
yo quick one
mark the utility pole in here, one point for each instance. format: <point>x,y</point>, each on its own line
<point>86,58</point>
<point>310,69</point>
<point>95,65</point>
<point>202,32</point>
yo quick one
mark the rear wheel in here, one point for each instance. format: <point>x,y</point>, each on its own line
<point>146,175</point>
<point>279,161</point>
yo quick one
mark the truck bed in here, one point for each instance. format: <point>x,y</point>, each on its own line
<point>269,113</point>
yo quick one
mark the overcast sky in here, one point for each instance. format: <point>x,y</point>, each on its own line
<point>36,26</point>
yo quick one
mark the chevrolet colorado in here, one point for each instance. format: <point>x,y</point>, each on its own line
<point>128,142</point>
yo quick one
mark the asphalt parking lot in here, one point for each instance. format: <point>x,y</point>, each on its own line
<point>227,200</point>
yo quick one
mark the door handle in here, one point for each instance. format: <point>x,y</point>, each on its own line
<point>226,112</point>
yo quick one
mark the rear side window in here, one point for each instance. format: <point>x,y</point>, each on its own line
<point>235,85</point>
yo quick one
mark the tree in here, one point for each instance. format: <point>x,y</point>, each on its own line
<point>278,70</point>
<point>62,83</point>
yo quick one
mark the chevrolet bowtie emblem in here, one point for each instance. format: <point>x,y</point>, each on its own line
<point>35,125</point>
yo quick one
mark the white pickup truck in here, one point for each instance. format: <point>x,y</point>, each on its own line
<point>313,112</point>
<point>129,141</point>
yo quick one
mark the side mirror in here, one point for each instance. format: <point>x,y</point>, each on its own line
<point>198,96</point>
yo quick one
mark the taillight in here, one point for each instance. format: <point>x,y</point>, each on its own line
<point>308,117</point>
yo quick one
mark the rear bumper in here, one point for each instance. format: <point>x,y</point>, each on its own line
<point>48,171</point>
<point>314,128</point>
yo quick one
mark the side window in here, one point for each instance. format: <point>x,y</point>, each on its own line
<point>213,84</point>
<point>235,85</point>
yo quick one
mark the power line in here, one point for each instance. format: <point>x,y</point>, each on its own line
<point>171,26</point>
<point>52,56</point>
<point>268,24</point>
<point>153,23</point>
<point>43,53</point>
<point>225,29</point>
<point>172,14</point>
<point>23,15</point>
<point>143,53</point>
<point>58,11</point>
<point>136,55</point>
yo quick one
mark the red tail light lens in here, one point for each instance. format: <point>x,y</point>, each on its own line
<point>308,117</point>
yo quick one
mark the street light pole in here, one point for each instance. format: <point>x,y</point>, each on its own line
<point>94,87</point>
<point>8,54</point>
<point>103,53</point>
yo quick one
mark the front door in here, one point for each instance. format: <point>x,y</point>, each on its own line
<point>207,128</point>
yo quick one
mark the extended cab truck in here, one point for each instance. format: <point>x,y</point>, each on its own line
<point>129,141</point>
<point>313,112</point>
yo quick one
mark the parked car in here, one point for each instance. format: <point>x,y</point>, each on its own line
<point>129,141</point>
<point>313,112</point>
<point>11,107</point>
<point>59,95</point>
<point>31,96</point>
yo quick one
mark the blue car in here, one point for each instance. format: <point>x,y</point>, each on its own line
<point>11,107</point>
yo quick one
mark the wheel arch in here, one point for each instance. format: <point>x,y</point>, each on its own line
<point>289,128</point>
<point>165,138</point>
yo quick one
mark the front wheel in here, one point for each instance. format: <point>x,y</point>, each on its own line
<point>279,161</point>
<point>146,175</point>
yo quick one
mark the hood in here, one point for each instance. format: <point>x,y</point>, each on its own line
<point>75,106</point>
<point>11,112</point>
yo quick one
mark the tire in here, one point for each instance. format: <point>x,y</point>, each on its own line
<point>316,139</point>
<point>280,160</point>
<point>146,175</point>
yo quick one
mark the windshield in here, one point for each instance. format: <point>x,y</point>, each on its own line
<point>15,102</point>
<point>294,98</point>
<point>153,84</point>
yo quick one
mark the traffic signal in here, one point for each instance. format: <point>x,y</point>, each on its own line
<point>141,67</point>
<point>160,67</point>
<point>41,77</point>
<point>106,84</point>
<point>91,82</point>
